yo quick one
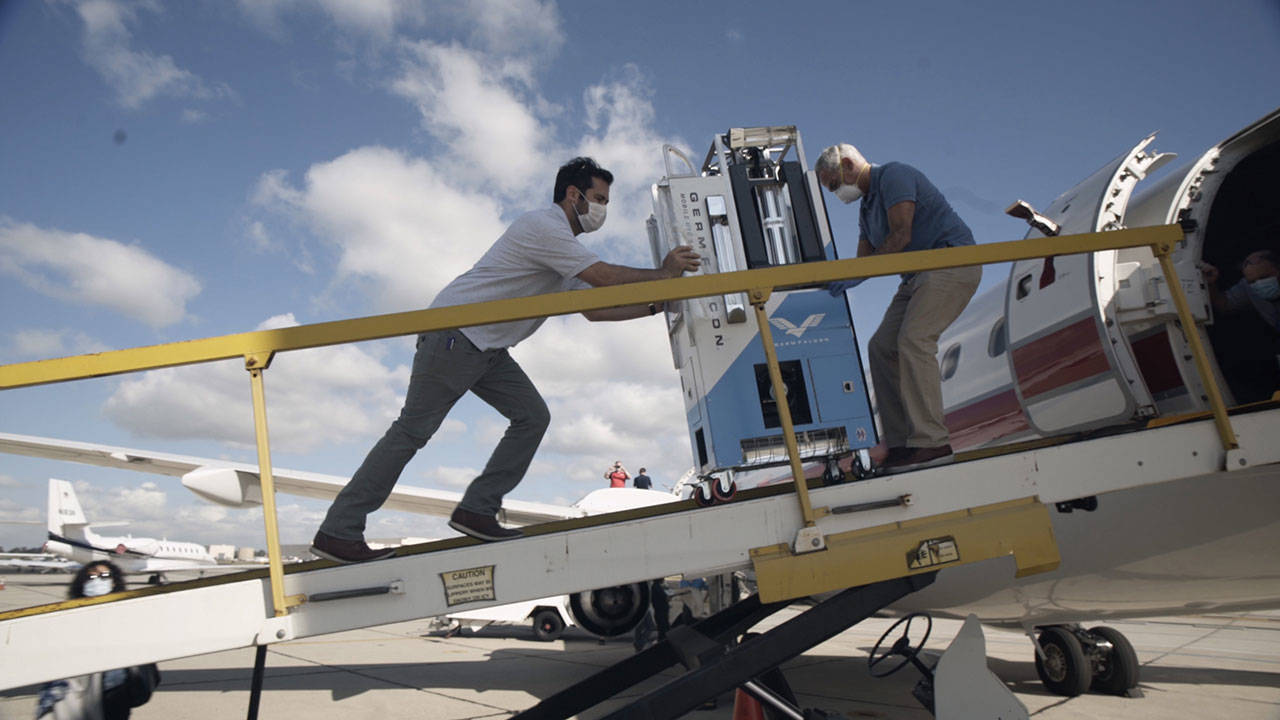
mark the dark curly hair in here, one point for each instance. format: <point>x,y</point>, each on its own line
<point>82,575</point>
<point>579,173</point>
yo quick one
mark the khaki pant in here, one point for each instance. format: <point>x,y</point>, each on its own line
<point>903,355</point>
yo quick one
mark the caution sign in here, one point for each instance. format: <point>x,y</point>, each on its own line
<point>470,585</point>
<point>934,551</point>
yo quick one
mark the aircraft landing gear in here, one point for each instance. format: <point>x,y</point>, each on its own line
<point>547,624</point>
<point>1076,660</point>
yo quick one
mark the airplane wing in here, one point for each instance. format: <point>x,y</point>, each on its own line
<point>35,561</point>
<point>237,484</point>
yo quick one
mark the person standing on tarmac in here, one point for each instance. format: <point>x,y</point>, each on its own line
<point>902,211</point>
<point>539,253</point>
<point>642,481</point>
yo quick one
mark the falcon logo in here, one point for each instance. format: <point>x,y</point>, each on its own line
<point>791,329</point>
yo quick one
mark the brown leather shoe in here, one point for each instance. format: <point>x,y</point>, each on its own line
<point>896,455</point>
<point>483,527</point>
<point>346,551</point>
<point>919,458</point>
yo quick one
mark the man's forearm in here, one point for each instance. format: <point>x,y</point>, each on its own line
<point>604,274</point>
<point>627,312</point>
<point>894,242</point>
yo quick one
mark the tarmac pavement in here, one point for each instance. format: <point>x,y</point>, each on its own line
<point>1192,667</point>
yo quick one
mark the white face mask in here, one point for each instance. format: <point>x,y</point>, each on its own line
<point>846,192</point>
<point>94,587</point>
<point>593,218</point>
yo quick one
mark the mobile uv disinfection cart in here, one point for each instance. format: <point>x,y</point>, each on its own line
<point>754,203</point>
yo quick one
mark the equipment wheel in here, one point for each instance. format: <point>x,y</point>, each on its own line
<point>547,624</point>
<point>702,493</point>
<point>1064,670</point>
<point>862,465</point>
<point>723,489</point>
<point>902,646</point>
<point>832,474</point>
<point>1119,669</point>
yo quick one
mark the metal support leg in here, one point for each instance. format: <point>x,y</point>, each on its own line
<point>256,364</point>
<point>255,686</point>
<point>758,655</point>
<point>758,299</point>
<point>721,627</point>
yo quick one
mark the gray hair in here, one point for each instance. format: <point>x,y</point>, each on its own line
<point>829,160</point>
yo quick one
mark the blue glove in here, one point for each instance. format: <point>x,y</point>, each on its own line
<point>837,288</point>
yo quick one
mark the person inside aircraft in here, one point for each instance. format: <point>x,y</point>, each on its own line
<point>539,253</point>
<point>902,211</point>
<point>1257,292</point>
<point>109,695</point>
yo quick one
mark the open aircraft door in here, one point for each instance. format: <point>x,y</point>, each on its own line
<point>1072,367</point>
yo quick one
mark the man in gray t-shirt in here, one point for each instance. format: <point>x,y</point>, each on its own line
<point>539,253</point>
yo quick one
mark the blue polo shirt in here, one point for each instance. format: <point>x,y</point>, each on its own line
<point>934,225</point>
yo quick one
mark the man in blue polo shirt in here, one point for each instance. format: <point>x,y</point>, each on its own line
<point>902,211</point>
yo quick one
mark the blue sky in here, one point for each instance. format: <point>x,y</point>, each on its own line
<point>181,170</point>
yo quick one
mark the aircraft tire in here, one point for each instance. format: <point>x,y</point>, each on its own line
<point>1120,671</point>
<point>1065,670</point>
<point>547,624</point>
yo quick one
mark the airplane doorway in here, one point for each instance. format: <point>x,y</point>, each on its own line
<point>1244,218</point>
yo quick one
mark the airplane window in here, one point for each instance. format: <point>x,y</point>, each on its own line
<point>998,341</point>
<point>950,361</point>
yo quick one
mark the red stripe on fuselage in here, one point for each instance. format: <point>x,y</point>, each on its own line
<point>1062,357</point>
<point>988,419</point>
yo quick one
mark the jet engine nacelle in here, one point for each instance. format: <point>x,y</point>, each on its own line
<point>612,611</point>
<point>225,486</point>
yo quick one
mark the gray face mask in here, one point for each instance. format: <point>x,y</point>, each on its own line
<point>95,587</point>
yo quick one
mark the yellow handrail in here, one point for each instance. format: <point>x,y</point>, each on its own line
<point>258,347</point>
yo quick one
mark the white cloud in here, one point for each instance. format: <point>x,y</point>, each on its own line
<point>12,512</point>
<point>451,476</point>
<point>475,106</point>
<point>88,270</point>
<point>516,27</point>
<point>622,137</point>
<point>378,19</point>
<point>400,229</point>
<point>42,343</point>
<point>403,227</point>
<point>8,482</point>
<point>315,398</point>
<point>136,76</point>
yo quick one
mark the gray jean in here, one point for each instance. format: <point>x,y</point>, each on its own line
<point>445,367</point>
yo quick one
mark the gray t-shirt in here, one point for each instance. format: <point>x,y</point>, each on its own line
<point>537,254</point>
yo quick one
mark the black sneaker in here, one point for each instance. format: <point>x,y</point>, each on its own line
<point>346,551</point>
<point>483,527</point>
